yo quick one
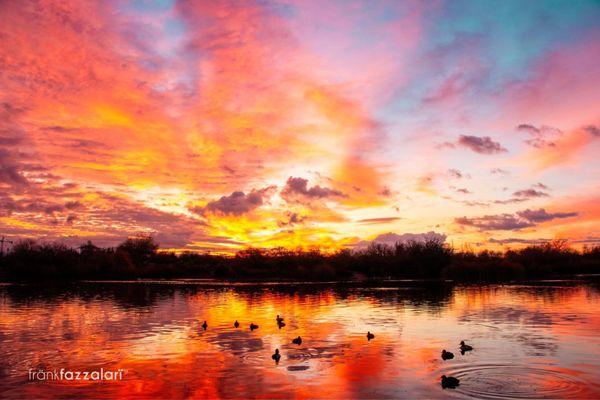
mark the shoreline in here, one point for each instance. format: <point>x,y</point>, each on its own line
<point>576,278</point>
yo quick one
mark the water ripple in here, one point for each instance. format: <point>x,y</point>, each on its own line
<point>513,381</point>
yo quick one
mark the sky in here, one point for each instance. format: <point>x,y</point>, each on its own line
<point>218,125</point>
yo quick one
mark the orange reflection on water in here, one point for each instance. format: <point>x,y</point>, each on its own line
<point>533,341</point>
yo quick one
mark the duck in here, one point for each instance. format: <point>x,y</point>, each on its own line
<point>253,326</point>
<point>446,355</point>
<point>465,347</point>
<point>276,356</point>
<point>279,319</point>
<point>297,341</point>
<point>204,325</point>
<point>236,324</point>
<point>370,336</point>
<point>450,382</point>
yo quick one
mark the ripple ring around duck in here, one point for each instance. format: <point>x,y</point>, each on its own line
<point>504,381</point>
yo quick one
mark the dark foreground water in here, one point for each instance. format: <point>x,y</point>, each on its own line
<point>531,341</point>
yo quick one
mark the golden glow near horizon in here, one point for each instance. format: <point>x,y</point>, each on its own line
<point>217,126</point>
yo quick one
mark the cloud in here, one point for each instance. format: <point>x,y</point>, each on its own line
<point>540,137</point>
<point>512,222</point>
<point>541,215</point>
<point>592,130</point>
<point>518,241</point>
<point>292,218</point>
<point>482,145</point>
<point>296,189</point>
<point>530,193</point>
<point>72,205</point>
<point>499,171</point>
<point>391,239</point>
<point>10,171</point>
<point>471,203</point>
<point>381,220</point>
<point>457,174</point>
<point>237,203</point>
<point>462,190</point>
<point>512,200</point>
<point>528,128</point>
<point>590,240</point>
<point>566,147</point>
<point>499,222</point>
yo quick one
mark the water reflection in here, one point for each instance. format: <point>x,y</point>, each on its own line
<point>530,341</point>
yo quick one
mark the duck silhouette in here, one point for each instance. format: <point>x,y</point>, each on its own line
<point>236,324</point>
<point>297,341</point>
<point>370,336</point>
<point>253,326</point>
<point>276,356</point>
<point>279,319</point>
<point>465,347</point>
<point>204,325</point>
<point>446,355</point>
<point>450,382</point>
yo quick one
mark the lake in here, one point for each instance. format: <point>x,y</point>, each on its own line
<point>536,340</point>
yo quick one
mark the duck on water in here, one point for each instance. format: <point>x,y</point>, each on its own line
<point>276,356</point>
<point>450,382</point>
<point>465,347</point>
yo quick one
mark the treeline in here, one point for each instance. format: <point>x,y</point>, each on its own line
<point>139,257</point>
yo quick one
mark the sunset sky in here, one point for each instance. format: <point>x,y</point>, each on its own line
<point>219,125</point>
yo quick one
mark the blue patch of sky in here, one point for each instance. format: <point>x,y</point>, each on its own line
<point>150,6</point>
<point>515,32</point>
<point>507,37</point>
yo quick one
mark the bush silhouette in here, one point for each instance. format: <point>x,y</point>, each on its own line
<point>139,257</point>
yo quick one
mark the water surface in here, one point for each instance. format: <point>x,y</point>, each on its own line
<point>531,341</point>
